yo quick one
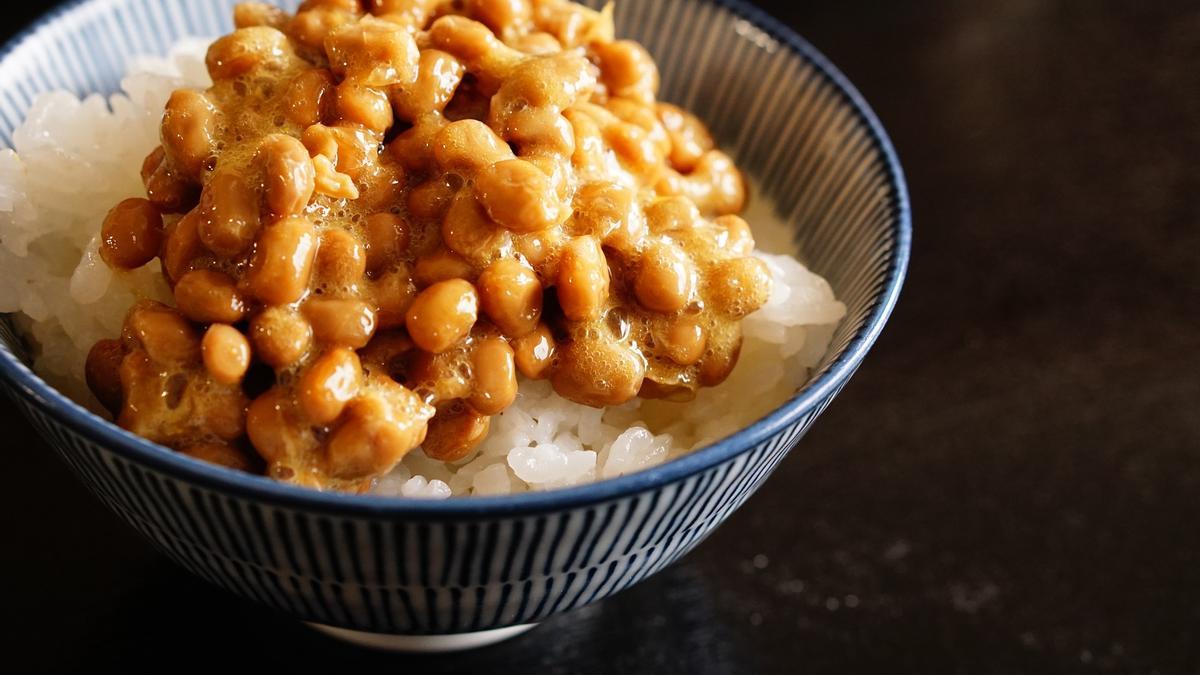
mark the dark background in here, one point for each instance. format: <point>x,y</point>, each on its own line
<point>1010,484</point>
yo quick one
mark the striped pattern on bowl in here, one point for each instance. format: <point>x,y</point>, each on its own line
<point>418,567</point>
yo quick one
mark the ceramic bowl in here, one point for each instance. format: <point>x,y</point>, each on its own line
<point>462,572</point>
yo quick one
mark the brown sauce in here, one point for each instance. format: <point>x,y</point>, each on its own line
<point>380,213</point>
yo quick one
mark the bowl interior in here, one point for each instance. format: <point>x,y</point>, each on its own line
<point>793,123</point>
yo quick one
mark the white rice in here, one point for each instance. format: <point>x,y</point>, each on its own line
<point>74,159</point>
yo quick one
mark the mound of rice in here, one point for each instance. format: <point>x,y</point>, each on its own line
<point>74,159</point>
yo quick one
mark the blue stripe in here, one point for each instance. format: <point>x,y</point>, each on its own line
<point>555,543</point>
<point>541,606</point>
<point>311,565</point>
<point>385,603</point>
<point>400,546</point>
<point>477,618</point>
<point>326,528</point>
<point>651,508</point>
<point>515,531</point>
<point>423,553</point>
<point>468,555</point>
<point>413,622</point>
<point>587,583</point>
<point>256,515</point>
<point>539,528</point>
<point>455,606</point>
<point>590,550</point>
<point>289,549</point>
<point>352,548</point>
<point>526,594</point>
<point>505,592</point>
<point>588,517</point>
<point>451,537</point>
<point>431,604</point>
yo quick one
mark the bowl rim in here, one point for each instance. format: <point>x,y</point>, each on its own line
<point>56,405</point>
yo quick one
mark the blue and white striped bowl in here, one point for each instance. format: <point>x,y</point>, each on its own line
<point>425,568</point>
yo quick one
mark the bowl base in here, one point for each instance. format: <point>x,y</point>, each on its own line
<point>427,644</point>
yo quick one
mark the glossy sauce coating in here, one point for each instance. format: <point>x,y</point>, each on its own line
<point>380,213</point>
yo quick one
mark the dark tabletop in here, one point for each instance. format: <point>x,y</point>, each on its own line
<point>1011,483</point>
